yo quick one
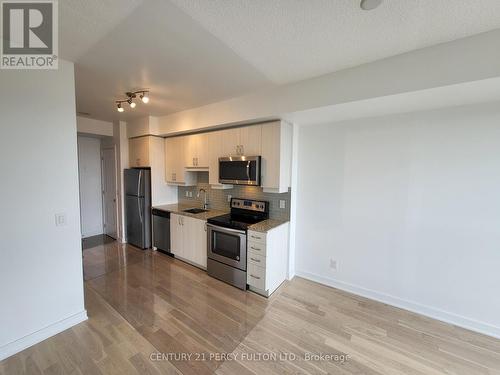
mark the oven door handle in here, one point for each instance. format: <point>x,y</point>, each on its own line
<point>224,229</point>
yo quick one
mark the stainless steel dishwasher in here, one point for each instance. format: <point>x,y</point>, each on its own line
<point>161,230</point>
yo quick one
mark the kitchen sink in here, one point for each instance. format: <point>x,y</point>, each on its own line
<point>195,210</point>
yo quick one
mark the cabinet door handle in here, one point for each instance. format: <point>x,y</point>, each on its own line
<point>255,260</point>
<point>255,248</point>
<point>255,277</point>
<point>242,150</point>
<point>256,237</point>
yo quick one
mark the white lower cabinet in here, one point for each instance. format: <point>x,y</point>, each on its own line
<point>188,238</point>
<point>267,259</point>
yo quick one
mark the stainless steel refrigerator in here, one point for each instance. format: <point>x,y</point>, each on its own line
<point>137,186</point>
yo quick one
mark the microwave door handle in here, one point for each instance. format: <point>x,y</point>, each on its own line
<point>248,170</point>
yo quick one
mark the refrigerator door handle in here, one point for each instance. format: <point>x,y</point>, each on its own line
<point>139,183</point>
<point>139,208</point>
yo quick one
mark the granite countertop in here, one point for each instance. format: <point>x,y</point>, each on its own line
<point>176,208</point>
<point>179,208</point>
<point>266,225</point>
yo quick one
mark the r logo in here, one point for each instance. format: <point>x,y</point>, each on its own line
<point>27,28</point>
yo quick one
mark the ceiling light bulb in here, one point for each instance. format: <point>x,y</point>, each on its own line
<point>120,108</point>
<point>370,4</point>
<point>145,98</point>
<point>131,103</point>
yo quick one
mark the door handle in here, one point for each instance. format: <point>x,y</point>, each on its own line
<point>248,170</point>
<point>255,277</point>
<point>255,260</point>
<point>139,208</point>
<point>139,182</point>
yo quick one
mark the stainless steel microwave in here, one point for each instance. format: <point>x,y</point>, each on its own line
<point>240,170</point>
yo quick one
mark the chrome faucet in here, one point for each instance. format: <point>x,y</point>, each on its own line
<point>205,201</point>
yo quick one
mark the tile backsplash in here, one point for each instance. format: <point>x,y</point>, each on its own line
<point>217,199</point>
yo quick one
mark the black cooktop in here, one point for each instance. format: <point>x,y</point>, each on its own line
<point>234,221</point>
<point>244,212</point>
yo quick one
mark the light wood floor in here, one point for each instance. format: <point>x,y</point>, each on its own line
<point>143,303</point>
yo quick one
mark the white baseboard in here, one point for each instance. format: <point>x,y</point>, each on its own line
<point>431,312</point>
<point>38,336</point>
<point>92,234</point>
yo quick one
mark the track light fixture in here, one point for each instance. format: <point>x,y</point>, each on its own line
<point>143,95</point>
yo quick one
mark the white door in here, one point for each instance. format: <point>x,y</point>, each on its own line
<point>89,169</point>
<point>109,191</point>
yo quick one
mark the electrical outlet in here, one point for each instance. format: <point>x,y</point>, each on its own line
<point>60,220</point>
<point>333,264</point>
<point>229,198</point>
<point>282,203</point>
<point>190,194</point>
<point>187,194</point>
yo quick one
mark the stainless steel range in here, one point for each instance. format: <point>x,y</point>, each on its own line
<point>227,240</point>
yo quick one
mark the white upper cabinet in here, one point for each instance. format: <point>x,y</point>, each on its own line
<point>272,141</point>
<point>251,140</point>
<point>196,151</point>
<point>242,141</point>
<point>139,152</point>
<point>276,157</point>
<point>175,171</point>
<point>215,151</point>
<point>230,142</point>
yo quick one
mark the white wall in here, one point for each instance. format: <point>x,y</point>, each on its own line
<point>409,206</point>
<point>41,281</point>
<point>121,141</point>
<point>90,173</point>
<point>141,126</point>
<point>87,125</point>
<point>161,193</point>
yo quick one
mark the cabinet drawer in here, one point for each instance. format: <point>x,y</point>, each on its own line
<point>256,259</point>
<point>257,248</point>
<point>256,276</point>
<point>256,236</point>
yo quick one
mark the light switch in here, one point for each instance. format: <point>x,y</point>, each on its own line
<point>229,198</point>
<point>282,203</point>
<point>60,220</point>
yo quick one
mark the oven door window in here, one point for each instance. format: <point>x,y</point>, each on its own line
<point>226,245</point>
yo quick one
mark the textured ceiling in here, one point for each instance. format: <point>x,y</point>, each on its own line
<point>157,46</point>
<point>195,52</point>
<point>83,23</point>
<point>290,40</point>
